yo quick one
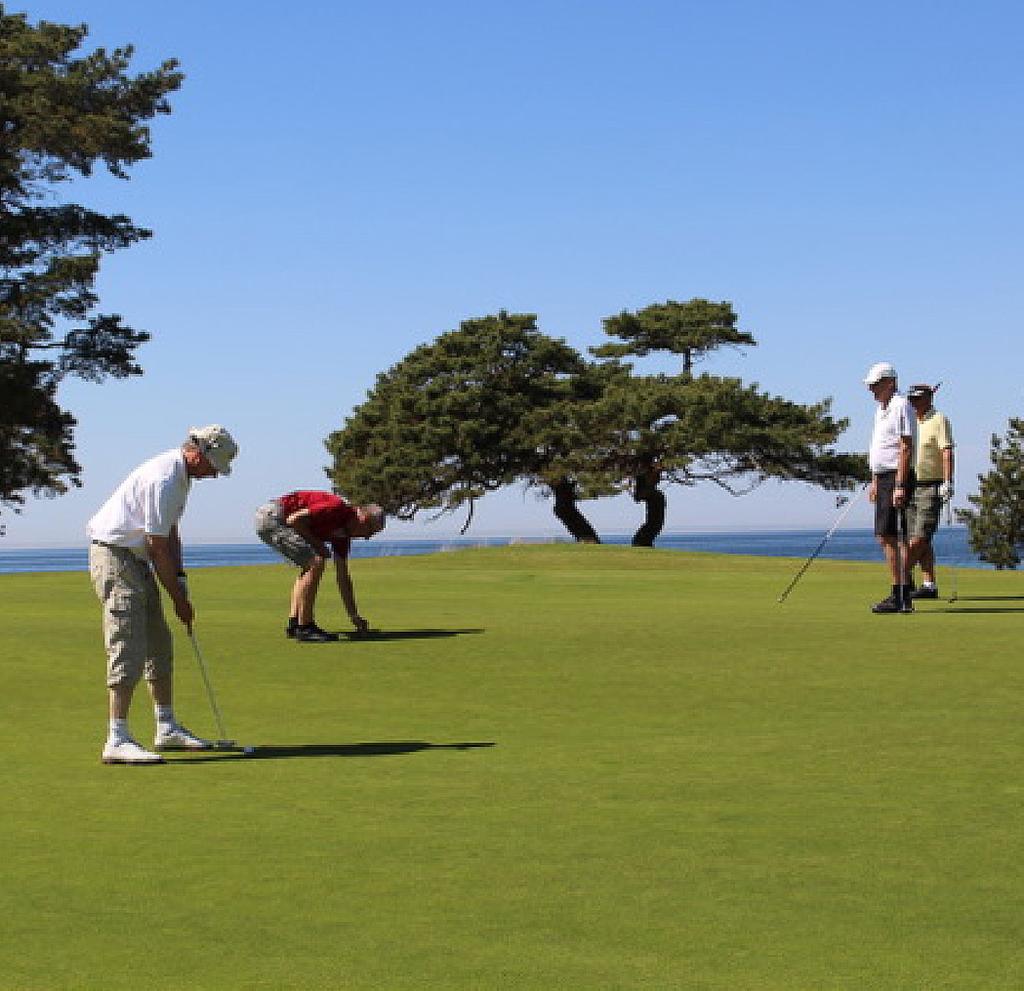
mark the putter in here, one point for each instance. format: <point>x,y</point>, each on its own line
<point>223,743</point>
<point>828,536</point>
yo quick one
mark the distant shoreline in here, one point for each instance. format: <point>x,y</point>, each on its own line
<point>847,545</point>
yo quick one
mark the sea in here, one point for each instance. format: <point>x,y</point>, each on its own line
<point>951,548</point>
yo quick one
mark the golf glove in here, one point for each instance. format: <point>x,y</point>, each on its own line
<point>946,491</point>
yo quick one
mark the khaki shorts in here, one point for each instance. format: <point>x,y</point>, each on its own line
<point>274,532</point>
<point>135,632</point>
<point>924,511</point>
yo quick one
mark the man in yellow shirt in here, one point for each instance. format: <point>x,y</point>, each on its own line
<point>934,487</point>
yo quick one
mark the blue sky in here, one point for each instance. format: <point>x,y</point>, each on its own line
<point>340,182</point>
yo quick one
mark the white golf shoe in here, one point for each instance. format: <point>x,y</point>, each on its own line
<point>177,737</point>
<point>127,751</point>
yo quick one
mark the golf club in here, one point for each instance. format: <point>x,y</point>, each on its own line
<point>223,743</point>
<point>903,598</point>
<point>952,563</point>
<point>828,536</point>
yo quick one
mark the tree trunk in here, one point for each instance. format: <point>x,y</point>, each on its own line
<point>645,490</point>
<point>569,514</point>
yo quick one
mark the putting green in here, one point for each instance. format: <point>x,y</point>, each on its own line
<point>558,767</point>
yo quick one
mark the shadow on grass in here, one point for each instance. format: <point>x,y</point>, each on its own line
<point>271,752</point>
<point>973,610</point>
<point>989,598</point>
<point>403,634</point>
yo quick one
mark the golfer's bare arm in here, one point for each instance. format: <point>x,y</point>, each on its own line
<point>347,592</point>
<point>174,543</point>
<point>299,522</point>
<point>165,556</point>
<point>899,496</point>
<point>948,464</point>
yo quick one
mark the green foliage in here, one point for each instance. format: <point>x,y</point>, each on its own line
<point>685,430</point>
<point>455,418</point>
<point>717,429</point>
<point>497,402</point>
<point>691,329</point>
<point>996,524</point>
<point>61,114</point>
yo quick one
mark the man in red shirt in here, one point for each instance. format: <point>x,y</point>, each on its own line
<point>304,526</point>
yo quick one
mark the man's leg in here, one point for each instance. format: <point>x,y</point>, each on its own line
<point>890,547</point>
<point>924,523</point>
<point>896,553</point>
<point>916,551</point>
<point>120,700</point>
<point>119,581</point>
<point>927,562</point>
<point>306,587</point>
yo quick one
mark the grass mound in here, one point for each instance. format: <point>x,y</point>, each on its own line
<point>555,767</point>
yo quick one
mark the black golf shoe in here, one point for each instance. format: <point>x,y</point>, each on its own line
<point>893,604</point>
<point>925,593</point>
<point>313,634</point>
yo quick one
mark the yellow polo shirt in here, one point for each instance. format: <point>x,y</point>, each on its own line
<point>934,435</point>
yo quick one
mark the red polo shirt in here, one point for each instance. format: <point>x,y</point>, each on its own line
<point>327,513</point>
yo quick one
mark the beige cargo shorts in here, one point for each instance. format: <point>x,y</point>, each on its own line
<point>135,632</point>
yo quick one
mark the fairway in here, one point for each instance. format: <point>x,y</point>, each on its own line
<point>557,767</point>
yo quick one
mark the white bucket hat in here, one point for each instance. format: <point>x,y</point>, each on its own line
<point>216,445</point>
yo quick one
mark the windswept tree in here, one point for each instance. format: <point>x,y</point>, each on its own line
<point>995,526</point>
<point>62,114</point>
<point>497,402</point>
<point>686,429</point>
<point>455,418</point>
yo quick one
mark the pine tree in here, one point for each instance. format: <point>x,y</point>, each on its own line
<point>63,113</point>
<point>995,527</point>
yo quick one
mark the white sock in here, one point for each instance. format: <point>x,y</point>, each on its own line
<point>164,715</point>
<point>119,729</point>
<point>926,584</point>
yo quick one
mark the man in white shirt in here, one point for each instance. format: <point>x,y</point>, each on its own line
<point>134,537</point>
<point>891,459</point>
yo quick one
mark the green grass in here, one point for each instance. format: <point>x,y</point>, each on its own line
<point>622,769</point>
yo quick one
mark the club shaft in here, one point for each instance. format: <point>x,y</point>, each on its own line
<point>952,565</point>
<point>824,540</point>
<point>206,681</point>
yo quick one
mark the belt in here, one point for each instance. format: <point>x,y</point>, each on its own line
<point>118,547</point>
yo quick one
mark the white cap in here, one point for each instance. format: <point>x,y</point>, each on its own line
<point>880,370</point>
<point>216,445</point>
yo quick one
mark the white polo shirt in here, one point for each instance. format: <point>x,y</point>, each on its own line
<point>892,422</point>
<point>149,501</point>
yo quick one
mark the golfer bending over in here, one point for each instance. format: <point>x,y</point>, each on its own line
<point>301,525</point>
<point>133,535</point>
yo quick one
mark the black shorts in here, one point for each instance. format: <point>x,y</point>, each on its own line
<point>889,521</point>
